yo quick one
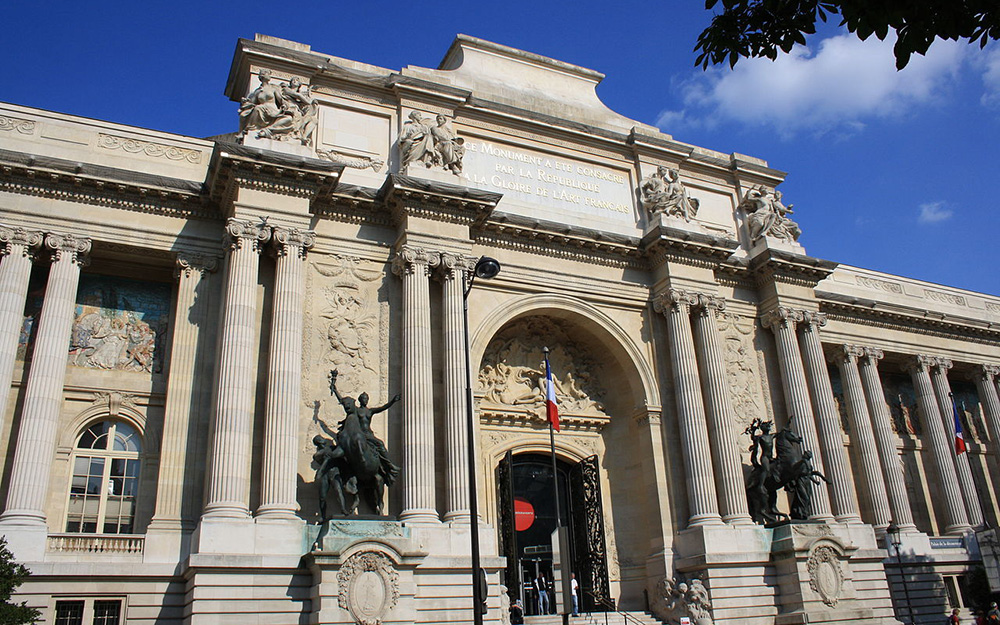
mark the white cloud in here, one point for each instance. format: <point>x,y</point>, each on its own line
<point>845,83</point>
<point>991,76</point>
<point>934,212</point>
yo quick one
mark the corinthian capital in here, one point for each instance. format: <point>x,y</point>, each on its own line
<point>62,245</point>
<point>19,241</point>
<point>189,263</point>
<point>874,354</point>
<point>710,304</point>
<point>409,259</point>
<point>920,363</point>
<point>240,232</point>
<point>292,241</point>
<point>848,353</point>
<point>781,317</point>
<point>674,300</point>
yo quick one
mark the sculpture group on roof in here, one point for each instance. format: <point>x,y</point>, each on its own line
<point>283,112</point>
<point>767,216</point>
<point>433,145</point>
<point>664,193</point>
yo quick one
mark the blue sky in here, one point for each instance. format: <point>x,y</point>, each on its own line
<point>891,171</point>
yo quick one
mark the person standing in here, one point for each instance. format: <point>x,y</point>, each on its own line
<point>574,587</point>
<point>953,619</point>
<point>542,588</point>
<point>993,616</point>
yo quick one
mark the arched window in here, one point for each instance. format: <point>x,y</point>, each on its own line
<point>105,479</point>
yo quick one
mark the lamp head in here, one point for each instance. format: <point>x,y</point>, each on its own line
<point>487,268</point>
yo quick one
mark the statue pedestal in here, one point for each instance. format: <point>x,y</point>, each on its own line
<point>363,571</point>
<point>829,573</point>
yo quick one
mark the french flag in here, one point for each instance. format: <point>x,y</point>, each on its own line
<point>551,409</point>
<point>959,437</point>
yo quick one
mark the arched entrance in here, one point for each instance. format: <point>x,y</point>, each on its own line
<point>527,502</point>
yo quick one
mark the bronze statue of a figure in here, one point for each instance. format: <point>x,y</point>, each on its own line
<point>790,468</point>
<point>355,463</point>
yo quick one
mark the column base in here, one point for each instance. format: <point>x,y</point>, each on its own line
<point>26,541</point>
<point>250,536</point>
<point>705,519</point>
<point>459,517</point>
<point>167,541</point>
<point>417,516</point>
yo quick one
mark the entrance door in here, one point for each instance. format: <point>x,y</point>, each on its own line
<point>528,517</point>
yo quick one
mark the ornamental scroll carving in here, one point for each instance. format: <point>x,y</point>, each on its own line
<point>148,148</point>
<point>826,575</point>
<point>23,126</point>
<point>513,367</point>
<point>369,587</point>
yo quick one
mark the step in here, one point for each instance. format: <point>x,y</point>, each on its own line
<point>597,618</point>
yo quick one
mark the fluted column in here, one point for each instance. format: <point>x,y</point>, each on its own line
<point>885,440</point>
<point>984,378</point>
<point>676,306</point>
<point>782,323</point>
<point>284,379</point>
<point>956,518</point>
<point>229,483</point>
<point>831,439</point>
<point>17,252</point>
<point>942,390</point>
<point>719,410</point>
<point>454,270</point>
<point>413,265</point>
<point>43,395</point>
<point>862,436</point>
<point>191,315</point>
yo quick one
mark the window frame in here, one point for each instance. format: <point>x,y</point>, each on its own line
<point>107,455</point>
<point>89,602</point>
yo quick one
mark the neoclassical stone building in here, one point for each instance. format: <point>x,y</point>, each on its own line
<point>171,309</point>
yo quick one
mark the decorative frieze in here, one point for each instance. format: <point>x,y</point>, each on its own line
<point>148,148</point>
<point>11,124</point>
<point>947,298</point>
<point>879,285</point>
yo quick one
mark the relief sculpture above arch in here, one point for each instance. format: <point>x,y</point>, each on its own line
<point>513,367</point>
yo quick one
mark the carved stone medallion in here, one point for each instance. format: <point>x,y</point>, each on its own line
<point>369,587</point>
<point>826,576</point>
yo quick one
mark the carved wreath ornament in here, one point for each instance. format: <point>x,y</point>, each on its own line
<point>369,587</point>
<point>825,574</point>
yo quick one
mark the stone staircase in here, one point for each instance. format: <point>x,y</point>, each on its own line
<point>597,618</point>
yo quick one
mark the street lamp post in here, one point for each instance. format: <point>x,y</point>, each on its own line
<point>486,268</point>
<point>893,533</point>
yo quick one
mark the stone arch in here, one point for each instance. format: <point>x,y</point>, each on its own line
<point>606,331</point>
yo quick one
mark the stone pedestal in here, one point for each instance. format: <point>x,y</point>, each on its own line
<point>829,573</point>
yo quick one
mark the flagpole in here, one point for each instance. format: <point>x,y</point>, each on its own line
<point>960,433</point>
<point>552,443</point>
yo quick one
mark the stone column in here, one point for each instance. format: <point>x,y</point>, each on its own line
<point>413,265</point>
<point>229,482</point>
<point>885,440</point>
<point>831,438</point>
<point>942,390</point>
<point>676,306</point>
<point>956,519</point>
<point>719,410</point>
<point>43,395</point>
<point>782,322</point>
<point>455,269</point>
<point>17,252</point>
<point>284,379</point>
<point>191,315</point>
<point>862,436</point>
<point>984,378</point>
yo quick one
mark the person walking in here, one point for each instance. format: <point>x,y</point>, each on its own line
<point>574,587</point>
<point>542,588</point>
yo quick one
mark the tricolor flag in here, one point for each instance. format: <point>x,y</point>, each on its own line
<point>959,437</point>
<point>551,409</point>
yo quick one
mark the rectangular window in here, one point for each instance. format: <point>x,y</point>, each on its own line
<point>69,612</point>
<point>89,611</point>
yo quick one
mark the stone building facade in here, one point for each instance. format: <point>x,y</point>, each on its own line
<point>171,309</point>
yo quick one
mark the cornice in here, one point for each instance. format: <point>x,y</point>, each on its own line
<point>665,243</point>
<point>353,204</point>
<point>558,240</point>
<point>930,324</point>
<point>237,166</point>
<point>84,183</point>
<point>772,265</point>
<point>440,201</point>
